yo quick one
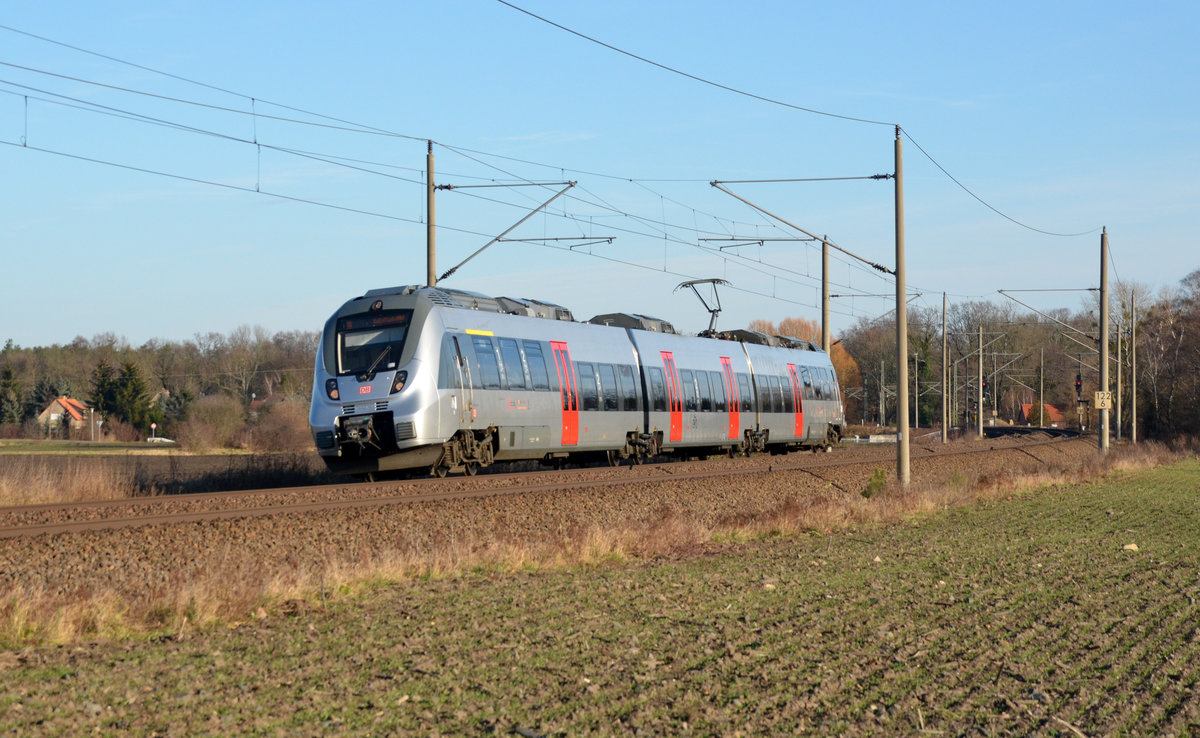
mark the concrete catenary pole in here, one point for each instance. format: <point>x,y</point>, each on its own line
<point>430,246</point>
<point>1133,366</point>
<point>945,377</point>
<point>1103,429</point>
<point>1117,420</point>
<point>1042,387</point>
<point>902,467</point>
<point>916,392</point>
<point>979,388</point>
<point>882,404</point>
<point>825,344</point>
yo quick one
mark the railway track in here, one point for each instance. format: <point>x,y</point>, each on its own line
<point>47,520</point>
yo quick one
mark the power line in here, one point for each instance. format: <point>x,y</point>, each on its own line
<point>224,185</point>
<point>984,202</point>
<point>354,128</point>
<point>186,79</point>
<point>696,78</point>
<point>793,107</point>
<point>348,127</point>
<point>326,158</point>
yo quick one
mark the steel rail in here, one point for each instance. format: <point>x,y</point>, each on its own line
<point>661,474</point>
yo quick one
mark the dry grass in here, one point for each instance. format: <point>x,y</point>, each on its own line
<point>35,481</point>
<point>229,593</point>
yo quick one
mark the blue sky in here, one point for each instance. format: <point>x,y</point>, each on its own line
<point>1065,117</point>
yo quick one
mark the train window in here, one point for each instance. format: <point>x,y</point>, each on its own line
<point>789,400</point>
<point>776,401</point>
<point>589,397</point>
<point>745,398</point>
<point>806,383</point>
<point>371,342</point>
<point>717,380</point>
<point>486,362</point>
<point>448,374</point>
<point>608,386</point>
<point>705,392</point>
<point>628,388</point>
<point>658,390</point>
<point>536,358</point>
<point>688,390</point>
<point>514,368</point>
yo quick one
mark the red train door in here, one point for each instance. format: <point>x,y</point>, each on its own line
<point>568,391</point>
<point>731,394</point>
<point>799,400</point>
<point>674,396</point>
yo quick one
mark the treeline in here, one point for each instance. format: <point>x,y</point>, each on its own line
<point>1027,355</point>
<point>247,388</point>
<point>250,388</point>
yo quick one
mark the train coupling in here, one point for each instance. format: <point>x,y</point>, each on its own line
<point>360,430</point>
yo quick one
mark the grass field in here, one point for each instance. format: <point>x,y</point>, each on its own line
<point>1064,611</point>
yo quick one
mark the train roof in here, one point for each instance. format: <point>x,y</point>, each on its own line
<point>467,300</point>
<point>633,320</point>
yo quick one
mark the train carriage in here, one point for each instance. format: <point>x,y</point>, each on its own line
<point>430,379</point>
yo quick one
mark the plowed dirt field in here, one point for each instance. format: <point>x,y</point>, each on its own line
<point>1064,611</point>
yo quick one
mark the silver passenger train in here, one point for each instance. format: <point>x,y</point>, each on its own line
<point>441,380</point>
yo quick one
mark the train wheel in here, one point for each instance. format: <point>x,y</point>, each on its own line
<point>614,458</point>
<point>470,468</point>
<point>439,471</point>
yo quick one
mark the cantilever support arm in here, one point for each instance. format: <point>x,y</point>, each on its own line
<point>511,228</point>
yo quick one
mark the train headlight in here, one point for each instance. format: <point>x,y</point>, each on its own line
<point>331,389</point>
<point>398,382</point>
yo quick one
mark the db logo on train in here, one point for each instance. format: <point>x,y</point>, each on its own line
<point>364,389</point>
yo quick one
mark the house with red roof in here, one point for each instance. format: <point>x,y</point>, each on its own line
<point>1054,416</point>
<point>65,417</point>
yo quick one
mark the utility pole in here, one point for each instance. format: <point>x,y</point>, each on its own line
<point>1133,365</point>
<point>954,393</point>
<point>430,246</point>
<point>979,387</point>
<point>882,405</point>
<point>1042,388</point>
<point>916,392</point>
<point>1117,424</point>
<point>945,377</point>
<point>902,468</point>
<point>1103,417</point>
<point>825,345</point>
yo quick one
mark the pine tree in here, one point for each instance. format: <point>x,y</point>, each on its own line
<point>104,388</point>
<point>132,401</point>
<point>11,405</point>
<point>45,391</point>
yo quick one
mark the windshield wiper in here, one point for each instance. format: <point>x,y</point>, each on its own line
<point>369,374</point>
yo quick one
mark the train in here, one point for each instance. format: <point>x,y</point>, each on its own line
<point>419,379</point>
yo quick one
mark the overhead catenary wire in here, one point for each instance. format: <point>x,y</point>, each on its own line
<point>792,106</point>
<point>693,77</point>
<point>360,211</point>
<point>332,159</point>
<point>356,127</point>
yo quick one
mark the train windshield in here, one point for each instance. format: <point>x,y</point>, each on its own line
<point>372,342</point>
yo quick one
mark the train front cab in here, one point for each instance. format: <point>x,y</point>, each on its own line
<point>374,400</point>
